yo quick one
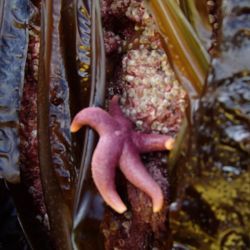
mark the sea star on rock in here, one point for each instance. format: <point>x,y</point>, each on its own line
<point>120,145</point>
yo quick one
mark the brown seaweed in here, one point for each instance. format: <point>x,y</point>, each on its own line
<point>189,57</point>
<point>88,205</point>
<point>197,13</point>
<point>13,50</point>
<point>53,127</point>
<point>28,191</point>
<point>208,209</point>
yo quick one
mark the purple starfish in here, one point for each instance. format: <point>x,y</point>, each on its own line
<point>120,145</point>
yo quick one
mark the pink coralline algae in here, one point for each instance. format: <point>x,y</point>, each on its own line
<point>29,160</point>
<point>111,41</point>
<point>120,145</point>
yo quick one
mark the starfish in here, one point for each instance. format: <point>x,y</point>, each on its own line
<point>119,145</point>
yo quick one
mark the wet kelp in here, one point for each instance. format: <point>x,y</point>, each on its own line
<point>44,117</point>
<point>13,44</point>
<point>189,57</point>
<point>187,54</point>
<point>36,118</point>
<point>53,121</point>
<point>210,209</point>
<point>88,206</point>
<point>16,39</point>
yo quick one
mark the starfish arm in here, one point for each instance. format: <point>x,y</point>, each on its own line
<point>94,117</point>
<point>135,172</point>
<point>104,163</point>
<point>116,112</point>
<point>114,108</point>
<point>152,142</point>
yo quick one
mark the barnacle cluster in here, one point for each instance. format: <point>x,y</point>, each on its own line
<point>152,97</point>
